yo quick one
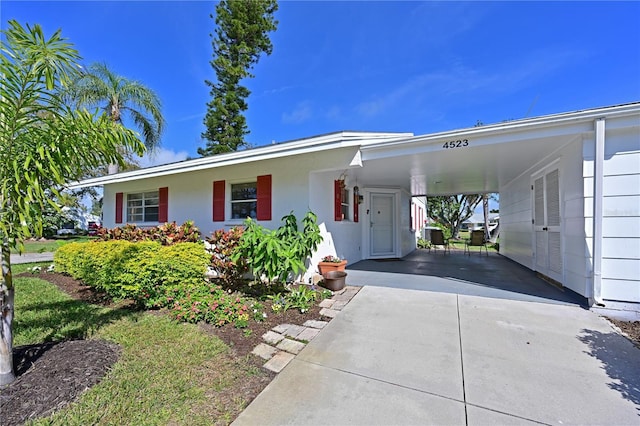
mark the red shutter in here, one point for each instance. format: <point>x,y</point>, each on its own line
<point>218,200</point>
<point>414,217</point>
<point>119,197</point>
<point>163,205</point>
<point>337,200</point>
<point>356,207</point>
<point>263,188</point>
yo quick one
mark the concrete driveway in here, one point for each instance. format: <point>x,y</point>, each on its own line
<point>398,356</point>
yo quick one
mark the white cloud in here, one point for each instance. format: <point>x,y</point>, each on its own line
<point>439,86</point>
<point>301,113</point>
<point>162,156</point>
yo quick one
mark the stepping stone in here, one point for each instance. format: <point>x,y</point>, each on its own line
<point>279,361</point>
<point>326,303</point>
<point>315,324</point>
<point>272,338</point>
<point>293,331</point>
<point>339,305</point>
<point>328,313</point>
<point>308,334</point>
<point>291,346</point>
<point>281,328</point>
<point>264,351</point>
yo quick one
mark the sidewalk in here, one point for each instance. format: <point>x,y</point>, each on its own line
<point>31,258</point>
<point>395,356</point>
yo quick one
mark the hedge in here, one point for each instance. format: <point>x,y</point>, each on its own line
<point>142,271</point>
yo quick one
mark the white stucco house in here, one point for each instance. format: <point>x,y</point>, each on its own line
<point>569,188</point>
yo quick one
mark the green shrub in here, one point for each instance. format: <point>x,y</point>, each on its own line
<point>422,243</point>
<point>141,271</point>
<point>301,298</point>
<point>277,254</point>
<point>158,276</point>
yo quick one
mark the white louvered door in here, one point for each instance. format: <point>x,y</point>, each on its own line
<point>546,224</point>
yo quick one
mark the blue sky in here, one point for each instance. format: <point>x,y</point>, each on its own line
<point>376,66</point>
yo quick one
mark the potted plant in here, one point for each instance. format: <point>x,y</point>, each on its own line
<point>331,263</point>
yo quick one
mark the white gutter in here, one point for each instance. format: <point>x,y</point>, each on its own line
<point>598,178</point>
<point>513,126</point>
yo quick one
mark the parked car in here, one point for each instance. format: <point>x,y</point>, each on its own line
<point>67,229</point>
<point>93,228</point>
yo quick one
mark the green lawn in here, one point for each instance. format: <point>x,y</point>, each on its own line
<point>169,373</point>
<point>51,245</point>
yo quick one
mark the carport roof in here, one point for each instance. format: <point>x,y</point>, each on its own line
<point>478,159</point>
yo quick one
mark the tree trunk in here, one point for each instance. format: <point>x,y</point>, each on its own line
<point>7,292</point>
<point>485,210</point>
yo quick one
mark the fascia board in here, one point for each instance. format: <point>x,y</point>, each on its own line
<point>304,146</point>
<point>509,127</point>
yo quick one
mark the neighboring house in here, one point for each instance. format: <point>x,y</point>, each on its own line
<point>569,188</point>
<point>76,219</point>
<point>476,221</point>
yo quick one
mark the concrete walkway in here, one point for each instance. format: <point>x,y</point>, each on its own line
<point>31,258</point>
<point>397,356</point>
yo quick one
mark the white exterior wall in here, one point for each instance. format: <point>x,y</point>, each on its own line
<point>191,194</point>
<point>406,231</point>
<point>620,210</point>
<point>575,252</point>
<point>340,238</point>
<point>516,213</point>
<point>515,221</point>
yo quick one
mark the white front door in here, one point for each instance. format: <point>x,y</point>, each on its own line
<point>546,224</point>
<point>382,225</point>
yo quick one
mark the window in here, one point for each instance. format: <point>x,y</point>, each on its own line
<point>143,207</point>
<point>344,203</point>
<point>244,200</point>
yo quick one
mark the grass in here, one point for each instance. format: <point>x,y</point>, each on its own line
<point>51,245</point>
<point>166,373</point>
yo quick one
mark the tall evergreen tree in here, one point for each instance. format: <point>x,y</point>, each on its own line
<point>241,36</point>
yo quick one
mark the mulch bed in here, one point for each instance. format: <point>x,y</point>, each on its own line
<point>630,328</point>
<point>52,375</point>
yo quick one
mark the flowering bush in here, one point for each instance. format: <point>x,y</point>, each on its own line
<point>331,259</point>
<point>210,303</point>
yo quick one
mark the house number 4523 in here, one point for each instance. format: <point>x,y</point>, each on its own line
<point>460,143</point>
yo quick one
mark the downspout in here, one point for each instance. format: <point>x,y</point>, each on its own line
<point>598,177</point>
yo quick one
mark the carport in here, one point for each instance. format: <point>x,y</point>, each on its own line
<point>555,176</point>
<point>475,275</point>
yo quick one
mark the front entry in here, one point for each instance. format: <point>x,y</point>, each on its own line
<point>546,223</point>
<point>382,225</point>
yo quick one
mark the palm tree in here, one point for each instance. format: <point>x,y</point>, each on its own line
<point>123,100</point>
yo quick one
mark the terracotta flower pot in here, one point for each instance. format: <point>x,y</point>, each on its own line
<point>324,267</point>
